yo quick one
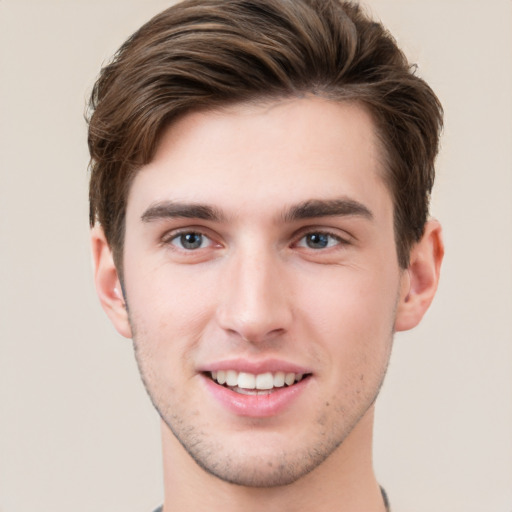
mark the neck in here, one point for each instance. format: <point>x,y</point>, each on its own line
<point>344,482</point>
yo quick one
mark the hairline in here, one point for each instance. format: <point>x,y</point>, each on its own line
<point>340,96</point>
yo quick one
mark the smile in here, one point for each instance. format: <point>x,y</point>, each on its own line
<point>251,384</point>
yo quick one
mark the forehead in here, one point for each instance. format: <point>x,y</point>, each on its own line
<point>264,154</point>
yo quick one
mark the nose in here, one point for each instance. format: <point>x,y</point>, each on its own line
<point>255,299</point>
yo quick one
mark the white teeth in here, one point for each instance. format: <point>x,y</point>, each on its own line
<point>289,379</point>
<point>261,381</point>
<point>231,378</point>
<point>279,379</point>
<point>264,381</point>
<point>246,380</point>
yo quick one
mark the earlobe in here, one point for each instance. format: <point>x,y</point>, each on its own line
<point>108,285</point>
<point>421,278</point>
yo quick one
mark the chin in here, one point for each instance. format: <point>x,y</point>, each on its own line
<point>260,461</point>
<point>258,473</point>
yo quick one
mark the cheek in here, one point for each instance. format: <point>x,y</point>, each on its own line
<point>170,313</point>
<point>352,318</point>
<point>166,298</point>
<point>351,297</point>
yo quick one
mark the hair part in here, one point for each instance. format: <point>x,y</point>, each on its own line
<point>205,54</point>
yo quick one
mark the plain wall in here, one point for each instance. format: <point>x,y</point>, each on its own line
<point>77,431</point>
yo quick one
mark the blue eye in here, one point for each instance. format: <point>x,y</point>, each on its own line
<point>318,241</point>
<point>191,241</point>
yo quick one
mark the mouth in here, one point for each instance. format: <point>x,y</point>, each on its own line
<point>255,384</point>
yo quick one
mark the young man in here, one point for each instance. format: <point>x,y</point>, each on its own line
<point>259,202</point>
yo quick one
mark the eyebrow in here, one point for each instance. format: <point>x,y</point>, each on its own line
<point>327,208</point>
<point>171,209</point>
<point>305,210</point>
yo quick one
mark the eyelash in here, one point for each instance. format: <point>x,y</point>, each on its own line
<point>179,235</point>
<point>328,239</point>
<point>338,241</point>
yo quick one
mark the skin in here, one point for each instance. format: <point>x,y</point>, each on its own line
<point>268,277</point>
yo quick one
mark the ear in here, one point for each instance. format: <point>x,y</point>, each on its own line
<point>421,278</point>
<point>108,285</point>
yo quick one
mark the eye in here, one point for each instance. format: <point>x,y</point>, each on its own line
<point>191,241</point>
<point>319,240</point>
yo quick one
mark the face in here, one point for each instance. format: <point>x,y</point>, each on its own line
<point>262,282</point>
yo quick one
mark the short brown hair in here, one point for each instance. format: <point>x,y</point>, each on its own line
<point>202,54</point>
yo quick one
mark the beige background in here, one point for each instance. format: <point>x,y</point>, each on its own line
<point>76,430</point>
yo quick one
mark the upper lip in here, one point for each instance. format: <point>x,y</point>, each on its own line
<point>255,367</point>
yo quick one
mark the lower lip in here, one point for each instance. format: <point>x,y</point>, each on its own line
<point>256,406</point>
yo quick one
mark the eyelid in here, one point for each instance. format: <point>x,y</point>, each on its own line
<point>170,235</point>
<point>178,241</point>
<point>343,237</point>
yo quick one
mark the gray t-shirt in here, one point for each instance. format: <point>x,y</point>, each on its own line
<point>384,497</point>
